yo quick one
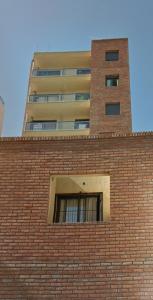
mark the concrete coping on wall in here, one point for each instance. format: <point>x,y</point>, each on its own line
<point>112,39</point>
<point>87,137</point>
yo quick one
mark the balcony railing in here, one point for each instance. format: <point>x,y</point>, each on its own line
<point>59,97</point>
<point>64,72</point>
<point>57,125</point>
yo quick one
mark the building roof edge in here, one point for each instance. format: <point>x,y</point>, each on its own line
<point>83,137</point>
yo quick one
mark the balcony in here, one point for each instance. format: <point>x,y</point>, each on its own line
<point>59,98</point>
<point>57,125</point>
<point>61,60</point>
<point>55,106</point>
<point>58,72</point>
<point>54,128</point>
<point>66,80</point>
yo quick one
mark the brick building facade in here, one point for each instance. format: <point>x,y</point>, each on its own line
<point>98,260</point>
<point>79,93</point>
<point>76,191</point>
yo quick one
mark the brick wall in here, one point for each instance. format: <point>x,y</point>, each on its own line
<point>100,95</point>
<point>1,115</point>
<point>110,261</point>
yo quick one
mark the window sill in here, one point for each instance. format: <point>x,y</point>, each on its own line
<point>81,223</point>
<point>112,87</point>
<point>113,115</point>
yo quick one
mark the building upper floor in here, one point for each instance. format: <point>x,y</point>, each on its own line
<point>79,92</point>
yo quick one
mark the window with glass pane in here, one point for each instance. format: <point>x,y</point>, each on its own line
<point>112,109</point>
<point>81,124</point>
<point>112,80</point>
<point>46,72</point>
<point>36,126</point>
<point>49,125</point>
<point>53,97</point>
<point>82,96</point>
<point>112,55</point>
<point>40,125</point>
<point>83,71</point>
<point>42,98</point>
<point>33,98</point>
<point>78,208</point>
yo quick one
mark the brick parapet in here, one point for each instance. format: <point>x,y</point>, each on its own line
<point>110,260</point>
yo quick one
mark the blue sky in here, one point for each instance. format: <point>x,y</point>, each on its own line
<point>59,25</point>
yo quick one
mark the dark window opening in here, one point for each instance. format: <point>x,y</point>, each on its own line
<point>81,124</point>
<point>46,72</point>
<point>83,71</point>
<point>112,80</point>
<point>112,109</point>
<point>112,55</point>
<point>77,208</point>
<point>82,96</point>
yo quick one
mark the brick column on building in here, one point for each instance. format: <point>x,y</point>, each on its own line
<point>100,94</point>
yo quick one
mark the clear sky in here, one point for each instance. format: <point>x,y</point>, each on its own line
<point>64,25</point>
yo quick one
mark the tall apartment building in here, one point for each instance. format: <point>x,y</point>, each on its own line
<point>1,114</point>
<point>79,93</point>
<point>76,200</point>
